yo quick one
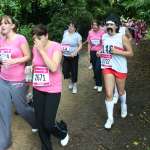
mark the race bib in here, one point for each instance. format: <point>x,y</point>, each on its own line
<point>41,76</point>
<point>65,47</point>
<point>106,56</point>
<point>106,60</point>
<point>5,54</point>
<point>95,42</point>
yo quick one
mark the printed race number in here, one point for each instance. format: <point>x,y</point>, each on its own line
<point>95,42</point>
<point>5,54</point>
<point>41,76</point>
<point>65,47</point>
<point>106,60</point>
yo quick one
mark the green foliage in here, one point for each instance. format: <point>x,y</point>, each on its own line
<point>137,8</point>
<point>26,31</point>
<point>57,25</point>
<point>57,13</point>
<point>10,7</point>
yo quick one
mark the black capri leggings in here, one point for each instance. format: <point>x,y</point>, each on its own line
<point>70,68</point>
<point>46,106</point>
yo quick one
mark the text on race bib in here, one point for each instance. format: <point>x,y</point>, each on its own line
<point>106,60</point>
<point>106,56</point>
<point>95,42</point>
<point>41,76</point>
<point>107,49</point>
<point>5,54</point>
<point>65,47</point>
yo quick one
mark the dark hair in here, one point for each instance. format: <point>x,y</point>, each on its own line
<point>39,30</point>
<point>115,19</point>
<point>9,19</point>
<point>74,23</point>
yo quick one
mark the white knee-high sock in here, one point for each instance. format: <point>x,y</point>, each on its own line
<point>109,108</point>
<point>123,99</point>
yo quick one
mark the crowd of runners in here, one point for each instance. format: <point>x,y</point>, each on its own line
<point>109,46</point>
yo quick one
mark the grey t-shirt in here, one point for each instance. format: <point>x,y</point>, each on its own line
<point>70,42</point>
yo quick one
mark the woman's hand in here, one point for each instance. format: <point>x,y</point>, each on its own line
<point>114,50</point>
<point>9,62</point>
<point>38,44</point>
<point>98,53</point>
<point>74,53</point>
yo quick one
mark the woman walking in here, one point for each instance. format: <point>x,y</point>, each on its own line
<point>47,87</point>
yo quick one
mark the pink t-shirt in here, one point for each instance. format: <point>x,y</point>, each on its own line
<point>12,50</point>
<point>95,40</point>
<point>55,78</point>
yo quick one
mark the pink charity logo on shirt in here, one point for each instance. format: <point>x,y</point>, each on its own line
<point>41,76</point>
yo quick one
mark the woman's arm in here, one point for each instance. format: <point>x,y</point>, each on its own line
<point>77,50</point>
<point>26,56</point>
<point>52,63</point>
<point>128,52</point>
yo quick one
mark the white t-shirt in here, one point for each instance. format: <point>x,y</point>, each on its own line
<point>70,42</point>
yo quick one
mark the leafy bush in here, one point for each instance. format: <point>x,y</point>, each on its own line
<point>26,31</point>
<point>57,26</point>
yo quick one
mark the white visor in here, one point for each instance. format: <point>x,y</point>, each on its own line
<point>110,22</point>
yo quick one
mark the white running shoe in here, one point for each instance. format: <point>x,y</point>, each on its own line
<point>74,89</point>
<point>124,110</point>
<point>115,99</point>
<point>109,123</point>
<point>99,89</point>
<point>34,130</point>
<point>95,87</point>
<point>65,141</point>
<point>70,86</point>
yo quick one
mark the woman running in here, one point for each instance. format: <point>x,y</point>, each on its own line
<point>14,53</point>
<point>116,47</point>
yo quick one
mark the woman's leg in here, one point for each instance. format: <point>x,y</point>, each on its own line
<point>39,100</point>
<point>93,61</point>
<point>5,115</point>
<point>115,95</point>
<point>51,106</point>
<point>74,72</point>
<point>122,93</point>
<point>98,74</point>
<point>18,92</point>
<point>58,129</point>
<point>109,82</point>
<point>66,68</point>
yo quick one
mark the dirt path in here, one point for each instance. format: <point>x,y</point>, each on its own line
<point>85,113</point>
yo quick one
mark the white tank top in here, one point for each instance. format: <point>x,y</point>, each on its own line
<point>108,60</point>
